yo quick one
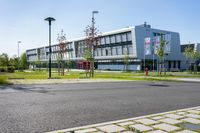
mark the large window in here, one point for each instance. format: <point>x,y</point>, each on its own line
<point>129,36</point>
<point>124,39</point>
<point>118,38</point>
<point>102,40</point>
<point>114,51</point>
<point>119,50</point>
<point>112,39</point>
<point>107,39</point>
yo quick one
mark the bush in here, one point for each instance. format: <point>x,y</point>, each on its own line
<point>3,80</point>
<point>3,69</point>
<point>11,69</point>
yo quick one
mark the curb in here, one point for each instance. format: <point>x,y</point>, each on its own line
<point>119,121</point>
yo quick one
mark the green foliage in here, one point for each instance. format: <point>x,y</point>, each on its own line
<point>4,60</point>
<point>87,54</point>
<point>3,80</point>
<point>126,61</point>
<point>23,62</point>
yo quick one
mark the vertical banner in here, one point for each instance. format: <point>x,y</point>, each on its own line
<point>156,44</point>
<point>147,43</point>
<point>167,39</point>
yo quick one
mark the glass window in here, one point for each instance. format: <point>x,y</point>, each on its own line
<point>125,50</point>
<point>102,40</point>
<point>130,49</point>
<point>103,52</point>
<point>114,51</point>
<point>119,50</point>
<point>124,39</point>
<point>107,39</point>
<point>112,39</point>
<point>129,36</point>
<point>118,38</point>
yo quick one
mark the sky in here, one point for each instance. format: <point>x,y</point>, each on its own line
<point>23,20</point>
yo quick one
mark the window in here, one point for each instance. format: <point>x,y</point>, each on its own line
<point>129,36</point>
<point>118,38</point>
<point>124,39</point>
<point>107,39</point>
<point>130,49</point>
<point>114,51</point>
<point>112,39</point>
<point>119,50</point>
<point>102,40</point>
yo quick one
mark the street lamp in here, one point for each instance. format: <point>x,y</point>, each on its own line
<point>18,54</point>
<point>49,19</point>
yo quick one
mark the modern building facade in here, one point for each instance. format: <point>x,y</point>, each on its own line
<point>113,47</point>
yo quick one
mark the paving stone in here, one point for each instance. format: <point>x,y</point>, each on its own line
<point>86,130</point>
<point>128,132</point>
<point>147,121</point>
<point>181,113</point>
<point>126,123</point>
<point>192,120</point>
<point>157,131</point>
<point>98,132</point>
<point>194,111</point>
<point>174,116</point>
<point>166,127</point>
<point>111,128</point>
<point>157,117</point>
<point>193,115</point>
<point>141,127</point>
<point>170,121</point>
<point>186,131</point>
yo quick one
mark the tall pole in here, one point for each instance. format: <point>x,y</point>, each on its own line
<point>18,54</point>
<point>49,19</point>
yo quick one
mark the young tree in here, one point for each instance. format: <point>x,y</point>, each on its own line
<point>126,61</point>
<point>192,55</point>
<point>91,41</point>
<point>62,50</point>
<point>23,61</point>
<point>161,53</point>
<point>188,54</point>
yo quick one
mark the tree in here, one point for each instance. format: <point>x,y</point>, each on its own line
<point>188,54</point>
<point>69,63</point>
<point>192,56</point>
<point>161,53</point>
<point>62,50</point>
<point>92,40</point>
<point>126,61</point>
<point>4,60</point>
<point>13,61</point>
<point>23,61</point>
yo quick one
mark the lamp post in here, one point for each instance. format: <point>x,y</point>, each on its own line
<point>93,29</point>
<point>49,19</point>
<point>18,54</point>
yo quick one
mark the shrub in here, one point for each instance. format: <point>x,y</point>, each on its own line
<point>3,80</point>
<point>2,69</point>
<point>11,69</point>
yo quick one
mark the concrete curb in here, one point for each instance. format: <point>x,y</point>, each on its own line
<point>119,121</point>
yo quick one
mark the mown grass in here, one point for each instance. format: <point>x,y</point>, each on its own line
<point>3,80</point>
<point>42,74</point>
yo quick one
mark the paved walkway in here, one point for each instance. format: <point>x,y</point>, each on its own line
<point>178,121</point>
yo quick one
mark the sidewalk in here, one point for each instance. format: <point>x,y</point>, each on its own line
<point>178,121</point>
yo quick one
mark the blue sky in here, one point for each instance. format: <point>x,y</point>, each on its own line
<point>24,19</point>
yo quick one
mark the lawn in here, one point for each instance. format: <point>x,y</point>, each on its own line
<point>43,74</point>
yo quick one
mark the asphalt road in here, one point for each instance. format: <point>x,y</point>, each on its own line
<point>39,108</point>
